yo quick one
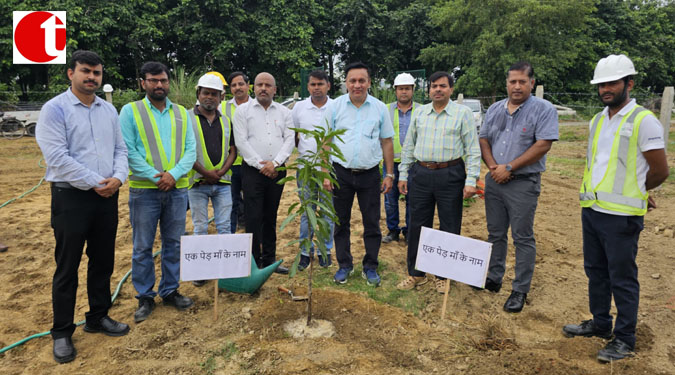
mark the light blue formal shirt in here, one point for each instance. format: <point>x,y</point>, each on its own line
<point>137,163</point>
<point>81,145</point>
<point>365,127</point>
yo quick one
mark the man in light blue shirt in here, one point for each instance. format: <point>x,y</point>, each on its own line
<point>158,185</point>
<point>80,138</point>
<point>367,138</point>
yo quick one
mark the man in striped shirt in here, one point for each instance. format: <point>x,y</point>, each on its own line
<point>441,159</point>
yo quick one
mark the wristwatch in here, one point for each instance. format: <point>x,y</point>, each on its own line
<point>509,167</point>
<point>390,175</point>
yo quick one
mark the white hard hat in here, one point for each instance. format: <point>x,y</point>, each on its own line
<point>612,68</point>
<point>210,81</point>
<point>404,79</point>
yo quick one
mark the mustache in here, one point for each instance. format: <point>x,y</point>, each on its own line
<point>90,81</point>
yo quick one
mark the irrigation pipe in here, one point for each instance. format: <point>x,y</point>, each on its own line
<point>27,191</point>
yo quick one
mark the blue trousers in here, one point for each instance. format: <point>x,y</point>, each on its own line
<point>237,201</point>
<point>147,207</point>
<point>391,205</point>
<point>610,249</point>
<point>220,197</point>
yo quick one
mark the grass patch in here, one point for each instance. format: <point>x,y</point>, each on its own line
<point>572,134</point>
<point>408,300</point>
<point>671,176</point>
<point>566,161</point>
<point>211,363</point>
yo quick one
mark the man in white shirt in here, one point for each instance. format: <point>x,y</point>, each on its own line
<point>308,114</point>
<point>625,158</point>
<point>263,136</point>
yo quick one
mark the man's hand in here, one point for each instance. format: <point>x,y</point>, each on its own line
<point>268,169</point>
<point>500,174</point>
<point>651,203</point>
<point>387,184</point>
<point>327,184</point>
<point>211,177</point>
<point>166,181</point>
<point>112,184</point>
<point>403,187</point>
<point>469,191</point>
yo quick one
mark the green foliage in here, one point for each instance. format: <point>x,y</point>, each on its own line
<point>122,97</point>
<point>183,86</point>
<point>226,352</point>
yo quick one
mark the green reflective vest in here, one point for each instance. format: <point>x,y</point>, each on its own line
<point>618,190</point>
<point>228,109</point>
<point>393,114</point>
<point>202,153</point>
<point>154,151</point>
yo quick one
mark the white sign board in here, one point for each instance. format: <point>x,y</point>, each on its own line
<point>454,257</point>
<point>215,256</point>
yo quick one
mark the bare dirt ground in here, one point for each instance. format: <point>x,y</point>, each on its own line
<point>381,331</point>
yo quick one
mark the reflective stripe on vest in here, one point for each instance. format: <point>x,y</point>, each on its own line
<point>618,190</point>
<point>202,153</point>
<point>393,114</point>
<point>155,153</point>
<point>229,112</point>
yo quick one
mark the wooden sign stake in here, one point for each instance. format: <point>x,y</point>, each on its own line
<point>445,298</point>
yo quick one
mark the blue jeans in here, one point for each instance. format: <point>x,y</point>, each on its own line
<point>304,222</point>
<point>391,205</point>
<point>221,197</point>
<point>146,208</point>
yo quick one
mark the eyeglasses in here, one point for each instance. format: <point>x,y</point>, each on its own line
<point>155,81</point>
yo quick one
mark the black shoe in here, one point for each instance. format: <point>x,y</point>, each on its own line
<point>614,351</point>
<point>515,302</point>
<point>199,283</point>
<point>281,270</point>
<point>493,286</point>
<point>587,328</point>
<point>392,236</point>
<point>64,350</point>
<point>178,300</point>
<point>145,307</point>
<point>304,262</point>
<point>325,262</point>
<point>108,327</point>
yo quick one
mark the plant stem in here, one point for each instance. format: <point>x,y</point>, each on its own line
<point>309,291</point>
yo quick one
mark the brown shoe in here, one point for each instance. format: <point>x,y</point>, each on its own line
<point>411,282</point>
<point>440,286</point>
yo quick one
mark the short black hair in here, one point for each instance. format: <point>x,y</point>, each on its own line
<point>438,75</point>
<point>319,74</point>
<point>237,74</point>
<point>357,65</point>
<point>154,68</point>
<point>84,57</point>
<point>522,66</point>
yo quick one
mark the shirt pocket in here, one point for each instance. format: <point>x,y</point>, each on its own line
<point>526,133</point>
<point>370,129</point>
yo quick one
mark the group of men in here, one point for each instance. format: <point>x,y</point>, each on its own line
<point>431,153</point>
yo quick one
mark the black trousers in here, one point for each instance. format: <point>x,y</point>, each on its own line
<point>610,249</point>
<point>426,189</point>
<point>366,186</point>
<point>261,201</point>
<point>80,217</point>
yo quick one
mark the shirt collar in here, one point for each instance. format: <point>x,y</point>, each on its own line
<point>256,102</point>
<point>523,104</point>
<point>312,105</point>
<point>167,106</point>
<point>446,109</point>
<point>233,101</point>
<point>74,100</point>
<point>199,113</point>
<point>627,108</point>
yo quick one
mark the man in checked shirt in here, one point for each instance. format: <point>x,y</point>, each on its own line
<point>440,139</point>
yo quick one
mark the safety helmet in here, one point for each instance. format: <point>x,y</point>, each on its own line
<point>219,76</point>
<point>210,81</point>
<point>612,68</point>
<point>404,79</point>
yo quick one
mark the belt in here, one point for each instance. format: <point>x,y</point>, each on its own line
<point>354,170</point>
<point>439,165</point>
<point>523,176</point>
<point>63,185</point>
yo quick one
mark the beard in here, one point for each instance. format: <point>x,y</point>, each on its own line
<point>616,100</point>
<point>158,95</point>
<point>209,106</point>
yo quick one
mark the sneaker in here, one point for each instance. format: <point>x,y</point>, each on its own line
<point>391,237</point>
<point>410,282</point>
<point>587,328</point>
<point>440,285</point>
<point>371,276</point>
<point>304,262</point>
<point>342,274</point>
<point>325,262</point>
<point>178,300</point>
<point>145,307</point>
<point>614,351</point>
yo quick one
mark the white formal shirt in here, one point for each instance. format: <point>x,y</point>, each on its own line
<point>650,137</point>
<point>308,116</point>
<point>263,134</point>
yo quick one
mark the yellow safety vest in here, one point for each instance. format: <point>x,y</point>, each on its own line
<point>154,151</point>
<point>202,153</point>
<point>229,112</point>
<point>618,190</point>
<point>393,114</point>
